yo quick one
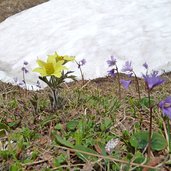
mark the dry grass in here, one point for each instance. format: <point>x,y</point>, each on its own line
<point>11,7</point>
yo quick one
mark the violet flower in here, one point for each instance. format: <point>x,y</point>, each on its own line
<point>25,63</point>
<point>81,63</point>
<point>15,79</point>
<point>152,80</point>
<point>38,84</point>
<point>24,69</point>
<point>21,83</point>
<point>125,83</point>
<point>111,62</point>
<point>145,65</point>
<point>111,73</point>
<point>127,67</point>
<point>165,106</point>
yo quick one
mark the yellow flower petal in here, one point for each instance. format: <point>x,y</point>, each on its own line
<point>49,68</point>
<point>53,66</point>
<point>41,71</point>
<point>40,63</point>
<point>57,74</point>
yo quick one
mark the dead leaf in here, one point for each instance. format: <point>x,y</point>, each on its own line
<point>153,162</point>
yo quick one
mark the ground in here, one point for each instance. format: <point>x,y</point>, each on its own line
<point>34,136</point>
<point>11,7</point>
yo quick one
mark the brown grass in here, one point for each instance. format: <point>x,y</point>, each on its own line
<point>11,7</point>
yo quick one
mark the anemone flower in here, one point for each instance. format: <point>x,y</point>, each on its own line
<point>64,58</point>
<point>165,106</point>
<point>153,80</point>
<point>51,67</point>
<point>111,62</point>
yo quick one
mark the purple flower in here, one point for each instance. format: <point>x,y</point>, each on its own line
<point>165,106</point>
<point>111,72</point>
<point>111,62</point>
<point>25,63</point>
<point>21,83</point>
<point>81,63</point>
<point>24,69</point>
<point>125,83</point>
<point>129,75</point>
<point>38,84</point>
<point>145,65</point>
<point>153,80</point>
<point>15,79</point>
<point>127,67</point>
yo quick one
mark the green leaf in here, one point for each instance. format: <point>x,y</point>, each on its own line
<point>134,142</point>
<point>72,125</point>
<point>158,142</point>
<point>58,126</point>
<point>60,159</point>
<point>3,133</point>
<point>139,140</point>
<point>62,141</point>
<point>4,126</point>
<point>139,158</point>
<point>83,156</point>
<point>78,135</point>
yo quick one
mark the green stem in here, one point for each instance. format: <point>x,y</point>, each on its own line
<point>82,76</point>
<point>24,80</point>
<point>150,126</point>
<point>54,93</point>
<point>138,86</point>
<point>168,132</point>
<point>119,85</point>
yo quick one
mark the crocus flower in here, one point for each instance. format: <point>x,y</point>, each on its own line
<point>145,65</point>
<point>165,106</point>
<point>111,73</point>
<point>153,80</point>
<point>125,83</point>
<point>51,67</point>
<point>127,67</point>
<point>111,62</point>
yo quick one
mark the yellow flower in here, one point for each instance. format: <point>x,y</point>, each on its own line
<point>63,58</point>
<point>51,67</point>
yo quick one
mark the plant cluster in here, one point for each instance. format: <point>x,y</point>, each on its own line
<point>87,127</point>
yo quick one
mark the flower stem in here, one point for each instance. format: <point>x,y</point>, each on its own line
<point>54,93</point>
<point>118,82</point>
<point>79,67</point>
<point>82,76</point>
<point>138,86</point>
<point>150,126</point>
<point>168,132</point>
